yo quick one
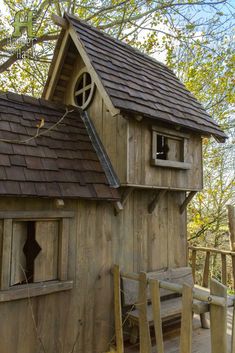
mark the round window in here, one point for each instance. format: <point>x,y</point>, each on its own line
<point>84,89</point>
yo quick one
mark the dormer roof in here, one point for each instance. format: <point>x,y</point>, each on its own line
<point>133,82</point>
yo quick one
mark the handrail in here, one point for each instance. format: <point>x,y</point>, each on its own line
<point>198,294</point>
<point>224,265</point>
<point>217,251</point>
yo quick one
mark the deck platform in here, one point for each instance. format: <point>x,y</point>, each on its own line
<point>200,341</point>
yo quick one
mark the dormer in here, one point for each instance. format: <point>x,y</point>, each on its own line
<point>150,125</point>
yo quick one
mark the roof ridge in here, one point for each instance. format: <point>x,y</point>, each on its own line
<point>27,99</point>
<point>118,41</point>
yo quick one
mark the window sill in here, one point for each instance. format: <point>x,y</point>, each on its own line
<point>34,290</point>
<point>170,164</point>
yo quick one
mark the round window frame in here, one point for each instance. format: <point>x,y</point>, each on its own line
<point>92,89</point>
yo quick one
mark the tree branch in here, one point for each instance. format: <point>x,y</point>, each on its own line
<point>157,8</point>
<point>25,48</point>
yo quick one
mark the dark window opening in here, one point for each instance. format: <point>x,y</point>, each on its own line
<point>79,84</point>
<point>162,147</point>
<point>25,250</point>
<point>88,79</point>
<point>31,250</point>
<point>79,100</point>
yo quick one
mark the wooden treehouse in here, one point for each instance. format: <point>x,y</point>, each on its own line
<point>96,173</point>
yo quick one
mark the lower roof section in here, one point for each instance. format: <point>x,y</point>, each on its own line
<point>46,151</point>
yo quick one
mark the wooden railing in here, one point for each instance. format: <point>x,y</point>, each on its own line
<point>227,264</point>
<point>216,298</point>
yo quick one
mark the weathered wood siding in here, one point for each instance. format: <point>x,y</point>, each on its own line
<point>127,141</point>
<point>83,317</point>
<point>129,146</point>
<point>140,171</point>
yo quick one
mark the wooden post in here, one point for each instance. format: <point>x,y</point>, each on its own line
<point>145,341</point>
<point>193,261</point>
<point>233,331</point>
<point>186,320</point>
<point>224,269</point>
<point>205,280</point>
<point>218,319</point>
<point>118,310</point>
<point>233,267</point>
<point>156,304</point>
<point>231,224</point>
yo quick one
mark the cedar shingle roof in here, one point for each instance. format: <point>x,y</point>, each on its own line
<point>138,83</point>
<point>60,163</point>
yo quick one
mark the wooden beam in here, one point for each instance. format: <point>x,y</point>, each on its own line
<point>158,196</point>
<point>212,250</point>
<point>218,319</point>
<point>6,254</point>
<point>118,310</point>
<point>34,289</point>
<point>233,332</point>
<point>145,340</point>
<point>56,70</point>
<point>187,200</point>
<point>36,214</point>
<point>119,205</point>
<point>59,21</point>
<point>186,320</point>
<point>156,302</point>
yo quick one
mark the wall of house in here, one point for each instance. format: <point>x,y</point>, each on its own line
<point>83,317</point>
<point>128,143</point>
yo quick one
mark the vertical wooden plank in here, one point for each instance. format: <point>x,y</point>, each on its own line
<point>224,269</point>
<point>122,149</point>
<point>6,253</point>
<point>18,259</point>
<point>231,223</point>
<point>145,341</point>
<point>205,280</point>
<point>109,138</point>
<point>193,261</point>
<point>140,216</point>
<point>218,319</point>
<point>158,235</point>
<point>177,234</point>
<point>186,320</point>
<point>46,262</point>
<point>63,249</point>
<point>118,310</point>
<point>233,332</point>
<point>156,304</point>
<point>233,266</point>
<point>103,298</point>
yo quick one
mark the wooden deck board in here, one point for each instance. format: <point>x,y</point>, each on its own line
<point>200,342</point>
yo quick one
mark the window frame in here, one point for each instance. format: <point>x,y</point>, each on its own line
<point>91,86</point>
<point>8,292</point>
<point>177,135</point>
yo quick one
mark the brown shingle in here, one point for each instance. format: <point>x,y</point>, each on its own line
<point>62,163</point>
<point>4,160</point>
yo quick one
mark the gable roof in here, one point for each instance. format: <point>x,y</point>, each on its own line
<point>60,162</point>
<point>139,84</point>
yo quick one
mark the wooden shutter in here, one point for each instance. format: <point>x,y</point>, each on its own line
<point>18,259</point>
<point>175,152</point>
<point>46,262</point>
